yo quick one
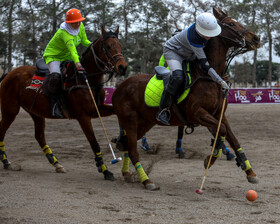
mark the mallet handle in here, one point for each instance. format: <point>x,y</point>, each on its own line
<point>217,133</point>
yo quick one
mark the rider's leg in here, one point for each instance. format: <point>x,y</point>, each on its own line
<point>54,86</point>
<point>176,82</point>
<point>163,114</point>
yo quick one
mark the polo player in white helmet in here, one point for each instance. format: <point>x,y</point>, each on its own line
<point>187,45</point>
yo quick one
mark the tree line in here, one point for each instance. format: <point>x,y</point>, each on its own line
<point>145,25</point>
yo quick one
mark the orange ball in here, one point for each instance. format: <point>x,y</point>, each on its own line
<point>251,195</point>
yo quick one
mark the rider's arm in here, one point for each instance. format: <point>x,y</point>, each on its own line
<point>84,41</point>
<point>69,43</point>
<point>199,52</point>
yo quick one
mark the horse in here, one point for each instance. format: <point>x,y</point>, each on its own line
<point>103,56</point>
<point>201,107</point>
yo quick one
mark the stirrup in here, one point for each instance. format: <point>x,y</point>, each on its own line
<point>163,116</point>
<point>56,112</point>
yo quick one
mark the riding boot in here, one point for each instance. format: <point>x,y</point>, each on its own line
<point>54,88</point>
<point>55,109</point>
<point>163,114</point>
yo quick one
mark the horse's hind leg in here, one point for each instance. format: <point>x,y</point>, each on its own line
<point>39,124</point>
<point>9,113</point>
<point>85,123</point>
<point>7,120</point>
<point>134,132</point>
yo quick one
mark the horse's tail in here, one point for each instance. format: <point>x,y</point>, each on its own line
<point>3,76</point>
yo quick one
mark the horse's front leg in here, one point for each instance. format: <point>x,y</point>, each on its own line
<point>203,118</point>
<point>241,158</point>
<point>85,123</point>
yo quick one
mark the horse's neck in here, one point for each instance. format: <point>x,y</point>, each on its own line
<point>216,52</point>
<point>94,70</point>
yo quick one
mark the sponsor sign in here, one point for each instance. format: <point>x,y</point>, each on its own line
<point>243,96</point>
<point>254,96</point>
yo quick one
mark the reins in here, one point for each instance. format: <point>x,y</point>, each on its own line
<point>237,50</point>
<point>233,53</point>
<point>105,67</point>
<point>239,34</point>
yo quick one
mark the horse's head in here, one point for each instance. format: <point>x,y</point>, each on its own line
<point>113,50</point>
<point>235,34</point>
<point>104,55</point>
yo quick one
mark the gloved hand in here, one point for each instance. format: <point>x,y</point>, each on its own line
<point>204,64</point>
<point>224,85</point>
<point>82,73</point>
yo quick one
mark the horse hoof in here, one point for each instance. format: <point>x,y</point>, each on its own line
<point>108,175</point>
<point>151,187</point>
<point>11,167</point>
<point>59,168</point>
<point>7,166</point>
<point>206,161</point>
<point>253,179</point>
<point>181,155</point>
<point>127,177</point>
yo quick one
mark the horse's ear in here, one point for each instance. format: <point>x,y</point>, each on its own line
<point>218,13</point>
<point>117,30</point>
<point>103,30</point>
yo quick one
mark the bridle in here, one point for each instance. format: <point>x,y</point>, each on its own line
<point>108,66</point>
<point>239,35</point>
<point>240,40</point>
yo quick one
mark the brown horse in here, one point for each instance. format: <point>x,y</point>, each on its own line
<point>201,107</point>
<point>102,56</point>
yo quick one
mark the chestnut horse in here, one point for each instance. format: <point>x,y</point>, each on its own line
<point>101,57</point>
<point>201,107</point>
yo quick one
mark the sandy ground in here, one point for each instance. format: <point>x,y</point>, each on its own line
<point>37,194</point>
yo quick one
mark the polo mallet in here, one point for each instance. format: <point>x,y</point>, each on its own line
<point>115,160</point>
<point>200,191</point>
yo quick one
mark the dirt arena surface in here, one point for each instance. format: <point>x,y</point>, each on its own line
<point>38,195</point>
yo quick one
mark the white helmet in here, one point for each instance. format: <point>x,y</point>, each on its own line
<point>207,25</point>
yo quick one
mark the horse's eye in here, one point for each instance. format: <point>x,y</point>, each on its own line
<point>231,24</point>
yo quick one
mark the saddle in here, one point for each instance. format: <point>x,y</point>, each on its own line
<point>41,68</point>
<point>38,83</point>
<point>159,81</point>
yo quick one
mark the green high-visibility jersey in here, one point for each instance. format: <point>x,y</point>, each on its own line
<point>62,47</point>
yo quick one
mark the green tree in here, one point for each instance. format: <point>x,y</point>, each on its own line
<point>148,40</point>
<point>269,20</point>
<point>262,68</point>
<point>8,17</point>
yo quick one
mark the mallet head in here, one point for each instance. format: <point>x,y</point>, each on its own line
<point>199,191</point>
<point>116,160</point>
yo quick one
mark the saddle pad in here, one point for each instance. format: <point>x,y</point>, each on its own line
<point>154,91</point>
<point>36,82</point>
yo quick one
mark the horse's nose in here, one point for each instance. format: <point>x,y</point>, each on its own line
<point>257,40</point>
<point>122,69</point>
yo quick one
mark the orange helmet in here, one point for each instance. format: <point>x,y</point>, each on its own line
<point>73,16</point>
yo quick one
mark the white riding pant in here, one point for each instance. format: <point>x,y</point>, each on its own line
<point>174,65</point>
<point>54,66</point>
